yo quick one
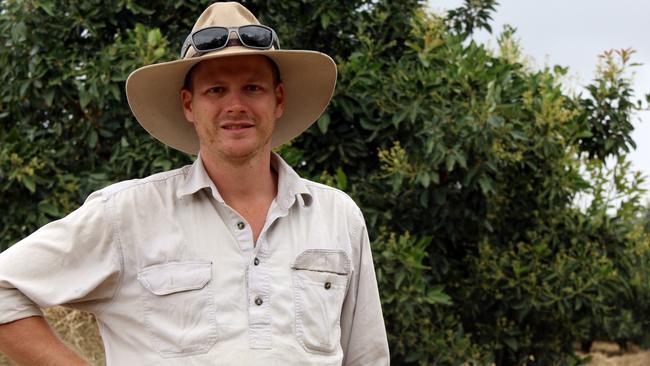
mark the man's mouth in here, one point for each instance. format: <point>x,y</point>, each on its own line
<point>236,126</point>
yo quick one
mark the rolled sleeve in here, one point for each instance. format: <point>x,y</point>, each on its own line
<point>363,334</point>
<point>16,306</point>
<point>74,261</point>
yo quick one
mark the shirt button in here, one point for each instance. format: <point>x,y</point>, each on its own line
<point>328,285</point>
<point>241,225</point>
<point>256,261</point>
<point>258,301</point>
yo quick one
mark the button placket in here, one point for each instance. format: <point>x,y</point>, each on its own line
<point>259,308</point>
<point>241,230</point>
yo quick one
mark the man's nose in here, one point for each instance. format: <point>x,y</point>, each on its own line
<point>235,103</point>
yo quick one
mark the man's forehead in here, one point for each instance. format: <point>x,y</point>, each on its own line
<point>249,63</point>
<point>252,67</point>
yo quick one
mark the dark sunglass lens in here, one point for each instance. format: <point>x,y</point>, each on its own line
<point>210,38</point>
<point>254,36</point>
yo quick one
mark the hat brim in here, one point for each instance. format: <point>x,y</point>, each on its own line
<point>153,93</point>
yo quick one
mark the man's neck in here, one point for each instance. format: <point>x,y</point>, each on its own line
<point>247,187</point>
<point>242,180</point>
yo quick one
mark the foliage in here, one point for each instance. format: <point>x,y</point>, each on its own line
<point>470,168</point>
<point>473,15</point>
<point>607,112</point>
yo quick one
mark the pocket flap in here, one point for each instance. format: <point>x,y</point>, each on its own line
<point>167,278</point>
<point>323,260</point>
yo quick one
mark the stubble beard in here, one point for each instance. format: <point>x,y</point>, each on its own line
<point>235,155</point>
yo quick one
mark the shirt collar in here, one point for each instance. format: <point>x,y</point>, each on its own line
<point>290,186</point>
<point>196,179</point>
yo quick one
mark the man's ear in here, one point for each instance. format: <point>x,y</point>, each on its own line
<point>186,102</point>
<point>279,100</point>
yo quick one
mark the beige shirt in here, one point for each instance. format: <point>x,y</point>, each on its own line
<point>173,276</point>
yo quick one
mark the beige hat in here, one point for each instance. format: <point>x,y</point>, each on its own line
<point>153,91</point>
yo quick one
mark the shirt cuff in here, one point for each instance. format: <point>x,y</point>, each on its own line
<point>16,306</point>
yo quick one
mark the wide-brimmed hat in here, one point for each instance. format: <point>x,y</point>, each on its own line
<point>153,91</point>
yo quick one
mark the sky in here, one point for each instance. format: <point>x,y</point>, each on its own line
<point>573,33</point>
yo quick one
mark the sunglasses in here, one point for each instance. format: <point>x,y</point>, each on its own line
<point>210,39</point>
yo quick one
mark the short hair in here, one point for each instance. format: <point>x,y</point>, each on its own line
<point>189,83</point>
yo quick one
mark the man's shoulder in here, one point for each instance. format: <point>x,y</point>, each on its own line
<point>157,181</point>
<point>322,192</point>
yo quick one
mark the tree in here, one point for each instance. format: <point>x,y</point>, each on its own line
<point>467,164</point>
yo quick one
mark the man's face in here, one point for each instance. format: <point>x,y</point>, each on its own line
<point>233,106</point>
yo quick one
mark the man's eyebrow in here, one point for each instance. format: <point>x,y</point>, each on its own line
<point>257,77</point>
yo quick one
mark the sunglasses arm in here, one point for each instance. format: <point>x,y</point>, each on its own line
<point>186,45</point>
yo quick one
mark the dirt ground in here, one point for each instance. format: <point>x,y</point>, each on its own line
<point>635,359</point>
<point>609,354</point>
<point>79,331</point>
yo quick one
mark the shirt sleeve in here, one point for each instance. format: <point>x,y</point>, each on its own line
<point>363,334</point>
<point>73,261</point>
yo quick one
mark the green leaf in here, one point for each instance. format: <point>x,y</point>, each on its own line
<point>413,113</point>
<point>48,96</point>
<point>486,184</point>
<point>424,199</point>
<point>84,98</point>
<point>399,278</point>
<point>48,7</point>
<point>438,296</point>
<point>399,117</point>
<point>153,36</point>
<point>324,20</point>
<point>495,121</point>
<point>518,135</point>
<point>460,158</point>
<point>162,163</point>
<point>48,208</point>
<point>92,139</point>
<point>29,183</point>
<point>323,122</point>
<point>450,161</point>
<point>23,88</point>
<point>159,53</point>
<point>511,343</point>
<point>425,179</point>
<point>98,176</point>
<point>341,179</point>
<point>115,91</point>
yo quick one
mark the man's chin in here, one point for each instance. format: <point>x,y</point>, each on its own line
<point>238,154</point>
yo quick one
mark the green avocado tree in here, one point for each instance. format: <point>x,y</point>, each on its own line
<point>504,217</point>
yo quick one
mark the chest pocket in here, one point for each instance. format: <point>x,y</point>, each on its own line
<point>179,310</point>
<point>320,281</point>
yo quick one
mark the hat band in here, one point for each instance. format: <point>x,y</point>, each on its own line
<point>259,37</point>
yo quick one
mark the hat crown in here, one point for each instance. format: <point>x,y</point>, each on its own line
<point>227,14</point>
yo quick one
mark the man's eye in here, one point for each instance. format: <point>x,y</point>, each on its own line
<point>253,87</point>
<point>216,89</point>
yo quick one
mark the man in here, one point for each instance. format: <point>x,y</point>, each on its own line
<point>234,260</point>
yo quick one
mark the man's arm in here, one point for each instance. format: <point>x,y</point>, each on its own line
<point>363,334</point>
<point>17,340</point>
<point>73,261</point>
